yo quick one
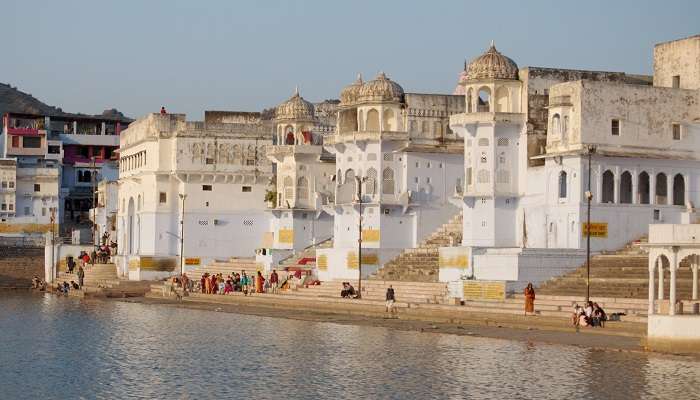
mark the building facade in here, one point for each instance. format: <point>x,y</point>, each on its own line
<point>211,174</point>
<point>529,135</point>
<point>304,181</point>
<point>407,162</point>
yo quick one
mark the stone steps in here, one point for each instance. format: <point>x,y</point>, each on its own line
<point>422,263</point>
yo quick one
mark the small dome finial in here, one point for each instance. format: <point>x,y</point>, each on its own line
<point>359,77</point>
<point>465,64</point>
<point>492,43</point>
<point>296,90</point>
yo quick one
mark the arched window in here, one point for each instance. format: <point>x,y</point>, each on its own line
<point>608,187</point>
<point>678,190</point>
<point>661,189</point>
<point>303,188</point>
<point>350,180</point>
<point>290,138</point>
<point>372,120</point>
<point>562,185</point>
<point>556,125</point>
<point>361,118</point>
<point>469,100</point>
<point>626,188</point>
<point>389,120</point>
<point>643,188</point>
<point>388,181</point>
<point>502,99</point>
<point>371,182</point>
<point>484,100</point>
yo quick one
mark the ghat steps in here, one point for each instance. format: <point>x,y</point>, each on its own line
<point>421,264</point>
<point>307,253</point>
<point>101,280</point>
<point>620,274</point>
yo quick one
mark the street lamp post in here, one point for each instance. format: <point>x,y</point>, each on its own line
<point>589,197</point>
<point>54,274</point>
<point>94,208</point>
<point>182,235</point>
<point>359,237</point>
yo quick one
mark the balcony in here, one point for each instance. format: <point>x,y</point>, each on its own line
<point>485,116</point>
<point>353,136</point>
<point>279,152</point>
<point>25,131</point>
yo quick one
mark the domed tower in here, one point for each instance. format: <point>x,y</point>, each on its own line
<point>379,104</point>
<point>491,126</point>
<point>294,120</point>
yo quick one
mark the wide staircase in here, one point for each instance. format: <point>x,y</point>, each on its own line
<point>619,274</point>
<point>18,265</point>
<point>101,280</point>
<point>421,264</point>
<point>405,292</point>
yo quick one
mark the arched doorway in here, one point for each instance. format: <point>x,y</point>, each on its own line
<point>678,190</point>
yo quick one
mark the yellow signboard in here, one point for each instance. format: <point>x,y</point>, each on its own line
<point>367,259</point>
<point>193,261</point>
<point>322,262</point>
<point>286,236</point>
<point>598,229</point>
<point>458,261</point>
<point>484,290</point>
<point>370,235</point>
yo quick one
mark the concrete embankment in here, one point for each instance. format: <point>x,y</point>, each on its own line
<point>18,265</point>
<point>420,317</point>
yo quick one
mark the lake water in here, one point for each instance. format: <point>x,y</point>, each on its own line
<point>65,348</point>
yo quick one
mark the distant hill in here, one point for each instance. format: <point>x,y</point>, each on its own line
<point>15,100</point>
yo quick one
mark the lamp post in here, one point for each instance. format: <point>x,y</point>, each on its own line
<point>182,234</point>
<point>54,275</point>
<point>94,205</point>
<point>589,197</point>
<point>359,237</point>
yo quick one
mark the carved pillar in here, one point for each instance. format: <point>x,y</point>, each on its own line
<point>635,186</point>
<point>672,292</point>
<point>695,277</point>
<point>652,188</point>
<point>661,280</point>
<point>652,263</point>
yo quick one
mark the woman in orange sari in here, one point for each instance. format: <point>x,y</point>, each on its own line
<point>259,282</point>
<point>529,299</point>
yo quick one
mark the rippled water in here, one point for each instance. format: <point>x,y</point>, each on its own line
<point>53,347</point>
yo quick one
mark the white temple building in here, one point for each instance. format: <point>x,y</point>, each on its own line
<point>211,174</point>
<point>399,148</point>
<point>304,182</point>
<point>528,134</point>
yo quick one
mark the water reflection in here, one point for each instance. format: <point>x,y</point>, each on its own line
<point>66,348</point>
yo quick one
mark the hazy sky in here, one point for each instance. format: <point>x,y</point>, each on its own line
<point>86,56</point>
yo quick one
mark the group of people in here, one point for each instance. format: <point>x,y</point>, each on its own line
<point>591,315</point>
<point>38,283</point>
<point>234,282</point>
<point>66,287</point>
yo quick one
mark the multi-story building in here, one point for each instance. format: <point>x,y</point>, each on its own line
<point>104,215</point>
<point>399,148</point>
<point>67,154</point>
<point>211,174</point>
<point>304,178</point>
<point>529,134</point>
<point>31,165</point>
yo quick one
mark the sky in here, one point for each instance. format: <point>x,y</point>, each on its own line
<point>190,56</point>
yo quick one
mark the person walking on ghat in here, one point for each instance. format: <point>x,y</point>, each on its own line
<point>81,276</point>
<point>529,299</point>
<point>390,299</point>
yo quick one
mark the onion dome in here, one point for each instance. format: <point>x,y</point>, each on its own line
<point>295,108</point>
<point>492,65</point>
<point>381,89</point>
<point>350,93</point>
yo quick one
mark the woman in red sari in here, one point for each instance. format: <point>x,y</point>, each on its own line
<point>214,284</point>
<point>529,299</point>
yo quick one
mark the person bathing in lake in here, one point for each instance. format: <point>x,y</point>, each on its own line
<point>529,299</point>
